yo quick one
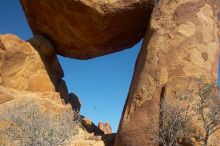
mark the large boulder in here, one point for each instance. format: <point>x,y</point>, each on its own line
<point>85,29</point>
<point>181,45</point>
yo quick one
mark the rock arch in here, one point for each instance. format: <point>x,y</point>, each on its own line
<point>181,43</point>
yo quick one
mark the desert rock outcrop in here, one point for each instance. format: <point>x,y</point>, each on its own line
<point>105,127</point>
<point>22,67</point>
<point>181,44</point>
<point>30,66</point>
<point>86,29</point>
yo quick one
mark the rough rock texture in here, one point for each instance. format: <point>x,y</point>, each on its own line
<point>49,59</point>
<point>87,139</point>
<point>49,100</point>
<point>105,127</point>
<point>27,73</point>
<point>90,127</point>
<point>88,28</point>
<point>74,101</point>
<point>26,68</point>
<point>180,45</point>
<point>21,66</point>
<point>49,104</point>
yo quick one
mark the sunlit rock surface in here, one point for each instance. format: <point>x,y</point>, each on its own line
<point>181,44</point>
<point>85,29</point>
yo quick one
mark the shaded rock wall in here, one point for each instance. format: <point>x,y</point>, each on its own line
<point>181,44</point>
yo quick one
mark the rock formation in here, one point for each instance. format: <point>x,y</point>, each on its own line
<point>22,67</point>
<point>73,100</point>
<point>86,29</point>
<point>24,77</point>
<point>105,127</point>
<point>30,72</point>
<point>180,45</point>
<point>26,71</point>
<point>49,59</point>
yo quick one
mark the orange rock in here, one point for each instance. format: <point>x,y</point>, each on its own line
<point>181,44</point>
<point>21,66</point>
<point>105,127</point>
<point>86,29</point>
<point>90,127</point>
<point>24,66</point>
<point>54,70</point>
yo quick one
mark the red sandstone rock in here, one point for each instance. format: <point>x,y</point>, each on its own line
<point>86,29</point>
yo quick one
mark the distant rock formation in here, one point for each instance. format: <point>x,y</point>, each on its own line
<point>181,44</point>
<point>85,29</point>
<point>105,127</point>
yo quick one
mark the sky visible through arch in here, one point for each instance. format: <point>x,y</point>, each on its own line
<point>102,83</point>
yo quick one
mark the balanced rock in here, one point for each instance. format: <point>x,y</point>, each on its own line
<point>181,45</point>
<point>85,29</point>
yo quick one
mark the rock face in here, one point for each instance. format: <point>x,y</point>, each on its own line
<point>28,72</point>
<point>21,66</point>
<point>181,44</point>
<point>86,29</point>
<point>105,127</point>
<point>49,100</point>
<point>74,101</point>
<point>52,66</point>
<point>30,67</point>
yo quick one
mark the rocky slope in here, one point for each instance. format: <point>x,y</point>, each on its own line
<point>30,74</point>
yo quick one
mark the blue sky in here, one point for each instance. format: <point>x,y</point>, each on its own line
<point>101,83</point>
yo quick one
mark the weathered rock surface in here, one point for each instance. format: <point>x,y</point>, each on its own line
<point>90,127</point>
<point>74,101</point>
<point>87,139</point>
<point>49,100</point>
<point>181,44</point>
<point>21,66</point>
<point>88,28</point>
<point>105,127</point>
<point>49,59</point>
<point>30,73</point>
<point>25,67</point>
<point>27,74</point>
